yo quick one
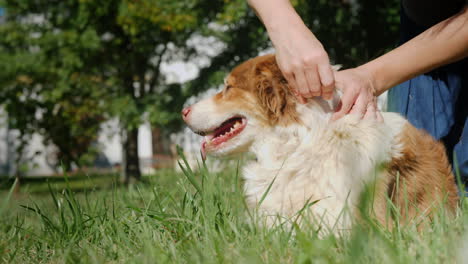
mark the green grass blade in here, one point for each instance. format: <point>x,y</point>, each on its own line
<point>8,197</point>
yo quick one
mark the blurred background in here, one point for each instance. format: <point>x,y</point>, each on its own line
<point>96,87</point>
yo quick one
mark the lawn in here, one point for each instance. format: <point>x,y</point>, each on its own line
<point>196,217</point>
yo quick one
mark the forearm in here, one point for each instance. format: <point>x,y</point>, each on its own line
<point>441,44</point>
<point>299,54</point>
<point>275,15</point>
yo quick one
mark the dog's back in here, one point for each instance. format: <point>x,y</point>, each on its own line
<point>419,180</point>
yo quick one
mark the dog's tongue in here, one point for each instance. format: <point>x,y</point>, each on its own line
<point>203,149</point>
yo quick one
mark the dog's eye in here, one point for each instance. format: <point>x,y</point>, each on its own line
<point>226,89</point>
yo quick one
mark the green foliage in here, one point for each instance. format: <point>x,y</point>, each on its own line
<point>45,84</point>
<point>68,66</point>
<point>244,36</point>
<point>352,32</point>
<point>78,63</point>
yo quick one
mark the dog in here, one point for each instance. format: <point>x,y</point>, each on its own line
<point>302,158</point>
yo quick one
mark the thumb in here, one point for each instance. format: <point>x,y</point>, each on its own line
<point>343,108</point>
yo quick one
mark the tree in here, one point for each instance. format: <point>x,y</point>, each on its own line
<point>99,59</point>
<point>142,35</point>
<point>78,63</point>
<point>41,90</point>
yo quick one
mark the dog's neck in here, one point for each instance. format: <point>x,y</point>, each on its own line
<point>314,120</point>
<point>315,115</point>
<point>317,110</point>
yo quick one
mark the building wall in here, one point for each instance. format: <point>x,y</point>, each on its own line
<point>38,157</point>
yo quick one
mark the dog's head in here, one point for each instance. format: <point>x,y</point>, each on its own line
<point>256,97</point>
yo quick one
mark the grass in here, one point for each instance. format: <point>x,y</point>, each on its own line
<point>196,217</point>
<point>75,183</point>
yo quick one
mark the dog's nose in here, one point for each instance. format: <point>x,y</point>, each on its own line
<point>185,112</point>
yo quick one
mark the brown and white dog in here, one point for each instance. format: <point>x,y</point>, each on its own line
<point>302,157</point>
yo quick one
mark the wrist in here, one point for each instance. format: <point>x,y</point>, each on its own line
<point>284,21</point>
<point>370,73</point>
<point>284,29</point>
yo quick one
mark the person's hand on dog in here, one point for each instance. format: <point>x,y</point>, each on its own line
<point>358,95</point>
<point>303,62</point>
<point>299,54</point>
<point>446,41</point>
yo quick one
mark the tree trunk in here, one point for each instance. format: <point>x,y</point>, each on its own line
<point>17,189</point>
<point>20,149</point>
<point>132,162</point>
<point>157,141</point>
<point>63,162</point>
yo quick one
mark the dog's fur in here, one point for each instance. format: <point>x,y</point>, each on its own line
<point>302,157</point>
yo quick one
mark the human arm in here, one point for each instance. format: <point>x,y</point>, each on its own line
<point>443,43</point>
<point>300,56</point>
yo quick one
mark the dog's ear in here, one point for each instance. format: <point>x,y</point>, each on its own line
<point>273,93</point>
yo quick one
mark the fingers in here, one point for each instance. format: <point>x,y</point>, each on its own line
<point>316,81</point>
<point>298,96</point>
<point>294,86</point>
<point>379,116</point>
<point>308,78</point>
<point>313,82</point>
<point>358,96</point>
<point>310,81</point>
<point>302,86</point>
<point>360,107</point>
<point>346,103</point>
<point>327,80</point>
<point>371,112</point>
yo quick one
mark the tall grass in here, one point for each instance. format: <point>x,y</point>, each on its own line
<point>196,217</point>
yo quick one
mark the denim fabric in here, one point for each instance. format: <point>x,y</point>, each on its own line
<point>437,102</point>
<point>461,155</point>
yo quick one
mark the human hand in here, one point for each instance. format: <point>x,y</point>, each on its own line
<point>358,95</point>
<point>303,62</point>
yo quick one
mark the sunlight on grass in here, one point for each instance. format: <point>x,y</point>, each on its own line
<point>196,217</point>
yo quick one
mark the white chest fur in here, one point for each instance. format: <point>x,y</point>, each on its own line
<point>328,163</point>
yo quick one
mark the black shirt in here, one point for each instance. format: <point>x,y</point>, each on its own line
<point>430,12</point>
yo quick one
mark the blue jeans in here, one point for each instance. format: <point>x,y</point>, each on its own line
<point>437,102</point>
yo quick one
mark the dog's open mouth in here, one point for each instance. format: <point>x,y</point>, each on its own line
<point>226,131</point>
